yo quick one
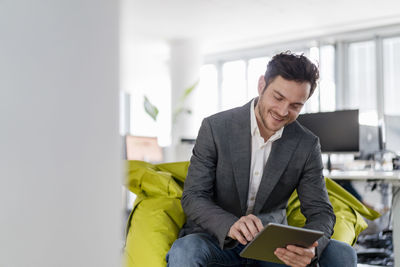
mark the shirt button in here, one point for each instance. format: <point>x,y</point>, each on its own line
<point>256,173</point>
<point>252,198</point>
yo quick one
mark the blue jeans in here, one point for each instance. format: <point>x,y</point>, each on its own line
<point>203,250</point>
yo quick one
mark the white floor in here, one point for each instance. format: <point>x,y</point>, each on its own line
<point>367,265</point>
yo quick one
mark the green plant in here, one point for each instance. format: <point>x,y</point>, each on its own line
<point>150,109</point>
<point>181,106</point>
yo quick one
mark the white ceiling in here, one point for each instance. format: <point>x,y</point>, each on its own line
<point>224,24</point>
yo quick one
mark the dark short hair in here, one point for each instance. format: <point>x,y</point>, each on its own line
<point>292,67</point>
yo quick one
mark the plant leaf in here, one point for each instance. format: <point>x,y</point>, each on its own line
<point>189,90</point>
<point>150,109</point>
<point>180,107</point>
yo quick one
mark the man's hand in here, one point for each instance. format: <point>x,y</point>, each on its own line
<point>296,256</point>
<point>245,229</point>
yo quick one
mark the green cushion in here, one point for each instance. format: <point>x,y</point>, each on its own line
<point>157,215</point>
<point>348,211</point>
<point>154,227</point>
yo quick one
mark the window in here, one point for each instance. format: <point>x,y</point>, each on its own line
<point>362,76</point>
<point>312,104</point>
<point>234,90</point>
<point>206,95</point>
<point>240,79</point>
<point>158,92</point>
<point>348,76</point>
<point>362,81</point>
<point>256,68</point>
<point>391,78</point>
<point>327,86</point>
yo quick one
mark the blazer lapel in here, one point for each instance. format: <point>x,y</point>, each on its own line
<point>279,157</point>
<point>240,149</point>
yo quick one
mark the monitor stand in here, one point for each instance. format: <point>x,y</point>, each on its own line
<point>329,163</point>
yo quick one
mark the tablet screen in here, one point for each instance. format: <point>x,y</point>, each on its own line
<point>275,236</point>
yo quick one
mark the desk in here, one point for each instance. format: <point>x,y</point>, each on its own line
<point>392,177</point>
<point>367,175</point>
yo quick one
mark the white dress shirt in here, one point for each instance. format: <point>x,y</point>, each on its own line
<point>260,151</point>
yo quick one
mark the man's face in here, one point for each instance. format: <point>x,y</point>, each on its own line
<point>280,103</point>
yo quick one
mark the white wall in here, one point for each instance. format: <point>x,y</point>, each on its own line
<point>59,145</point>
<point>145,72</point>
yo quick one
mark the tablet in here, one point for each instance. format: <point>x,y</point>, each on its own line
<point>275,236</point>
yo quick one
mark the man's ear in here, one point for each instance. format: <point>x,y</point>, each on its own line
<point>261,84</point>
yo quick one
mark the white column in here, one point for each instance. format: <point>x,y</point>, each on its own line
<point>60,176</point>
<point>185,62</point>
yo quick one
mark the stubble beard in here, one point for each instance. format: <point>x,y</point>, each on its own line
<point>261,110</point>
<point>262,115</point>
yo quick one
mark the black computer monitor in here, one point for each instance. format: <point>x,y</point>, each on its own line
<point>338,131</point>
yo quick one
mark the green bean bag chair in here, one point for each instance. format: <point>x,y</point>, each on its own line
<point>349,213</point>
<point>157,215</point>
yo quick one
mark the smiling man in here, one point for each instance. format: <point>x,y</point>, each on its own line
<point>245,165</point>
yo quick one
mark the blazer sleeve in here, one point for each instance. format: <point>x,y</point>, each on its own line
<point>313,196</point>
<point>198,194</point>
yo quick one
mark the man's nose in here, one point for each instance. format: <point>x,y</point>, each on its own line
<point>283,110</point>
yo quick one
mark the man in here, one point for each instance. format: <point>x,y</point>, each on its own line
<point>245,165</point>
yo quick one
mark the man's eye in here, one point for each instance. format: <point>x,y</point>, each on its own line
<point>296,107</point>
<point>278,98</point>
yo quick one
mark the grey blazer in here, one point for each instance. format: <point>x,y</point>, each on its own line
<point>216,187</point>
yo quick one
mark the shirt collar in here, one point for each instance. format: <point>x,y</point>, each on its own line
<point>254,126</point>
